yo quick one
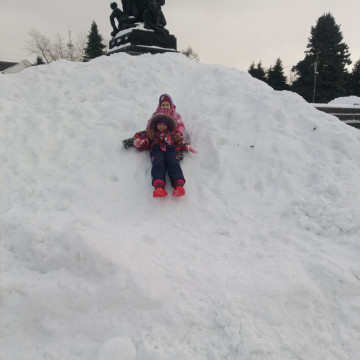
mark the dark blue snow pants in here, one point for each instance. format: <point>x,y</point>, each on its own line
<point>163,161</point>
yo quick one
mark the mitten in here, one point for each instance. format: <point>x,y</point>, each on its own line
<point>176,137</point>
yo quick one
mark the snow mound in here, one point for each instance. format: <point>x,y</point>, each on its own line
<point>352,101</point>
<point>260,259</point>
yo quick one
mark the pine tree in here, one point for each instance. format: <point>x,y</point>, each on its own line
<point>257,72</point>
<point>251,69</point>
<point>322,75</point>
<point>39,61</point>
<point>276,78</point>
<point>94,46</point>
<point>354,81</point>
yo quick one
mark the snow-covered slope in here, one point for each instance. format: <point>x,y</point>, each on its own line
<point>350,101</point>
<point>260,259</point>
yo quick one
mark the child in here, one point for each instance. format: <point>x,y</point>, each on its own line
<point>163,142</point>
<point>165,103</point>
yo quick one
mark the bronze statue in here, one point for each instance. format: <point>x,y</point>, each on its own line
<point>153,16</point>
<point>131,8</point>
<point>147,11</point>
<point>125,18</point>
<point>126,4</point>
<point>116,14</point>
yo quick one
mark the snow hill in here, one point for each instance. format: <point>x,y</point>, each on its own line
<point>260,259</point>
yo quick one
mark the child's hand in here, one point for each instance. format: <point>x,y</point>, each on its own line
<point>151,134</point>
<point>138,143</point>
<point>192,149</point>
<point>176,137</point>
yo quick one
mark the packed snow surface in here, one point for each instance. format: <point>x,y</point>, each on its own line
<point>259,260</point>
<point>349,101</point>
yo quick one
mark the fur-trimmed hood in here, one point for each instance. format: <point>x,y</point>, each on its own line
<point>163,116</point>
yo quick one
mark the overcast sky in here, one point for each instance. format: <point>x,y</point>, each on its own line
<point>227,32</point>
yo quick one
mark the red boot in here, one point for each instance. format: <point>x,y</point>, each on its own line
<point>179,191</point>
<point>159,188</point>
<point>159,192</point>
<point>178,188</point>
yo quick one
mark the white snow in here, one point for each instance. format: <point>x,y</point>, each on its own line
<point>260,259</point>
<point>350,101</point>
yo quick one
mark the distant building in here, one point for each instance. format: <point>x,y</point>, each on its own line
<point>12,68</point>
<point>5,64</point>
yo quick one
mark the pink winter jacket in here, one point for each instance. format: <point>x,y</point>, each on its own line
<point>180,125</point>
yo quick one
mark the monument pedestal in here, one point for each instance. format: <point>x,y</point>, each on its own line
<point>140,41</point>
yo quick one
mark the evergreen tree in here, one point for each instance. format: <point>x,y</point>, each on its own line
<point>322,75</point>
<point>39,61</point>
<point>251,69</point>
<point>276,78</point>
<point>94,46</point>
<point>257,72</point>
<point>354,81</point>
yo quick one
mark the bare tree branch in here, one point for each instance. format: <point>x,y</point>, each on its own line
<point>191,54</point>
<point>80,46</point>
<point>43,47</point>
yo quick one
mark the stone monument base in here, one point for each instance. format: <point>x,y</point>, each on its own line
<point>139,41</point>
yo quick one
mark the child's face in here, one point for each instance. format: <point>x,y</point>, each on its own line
<point>161,127</point>
<point>165,105</point>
